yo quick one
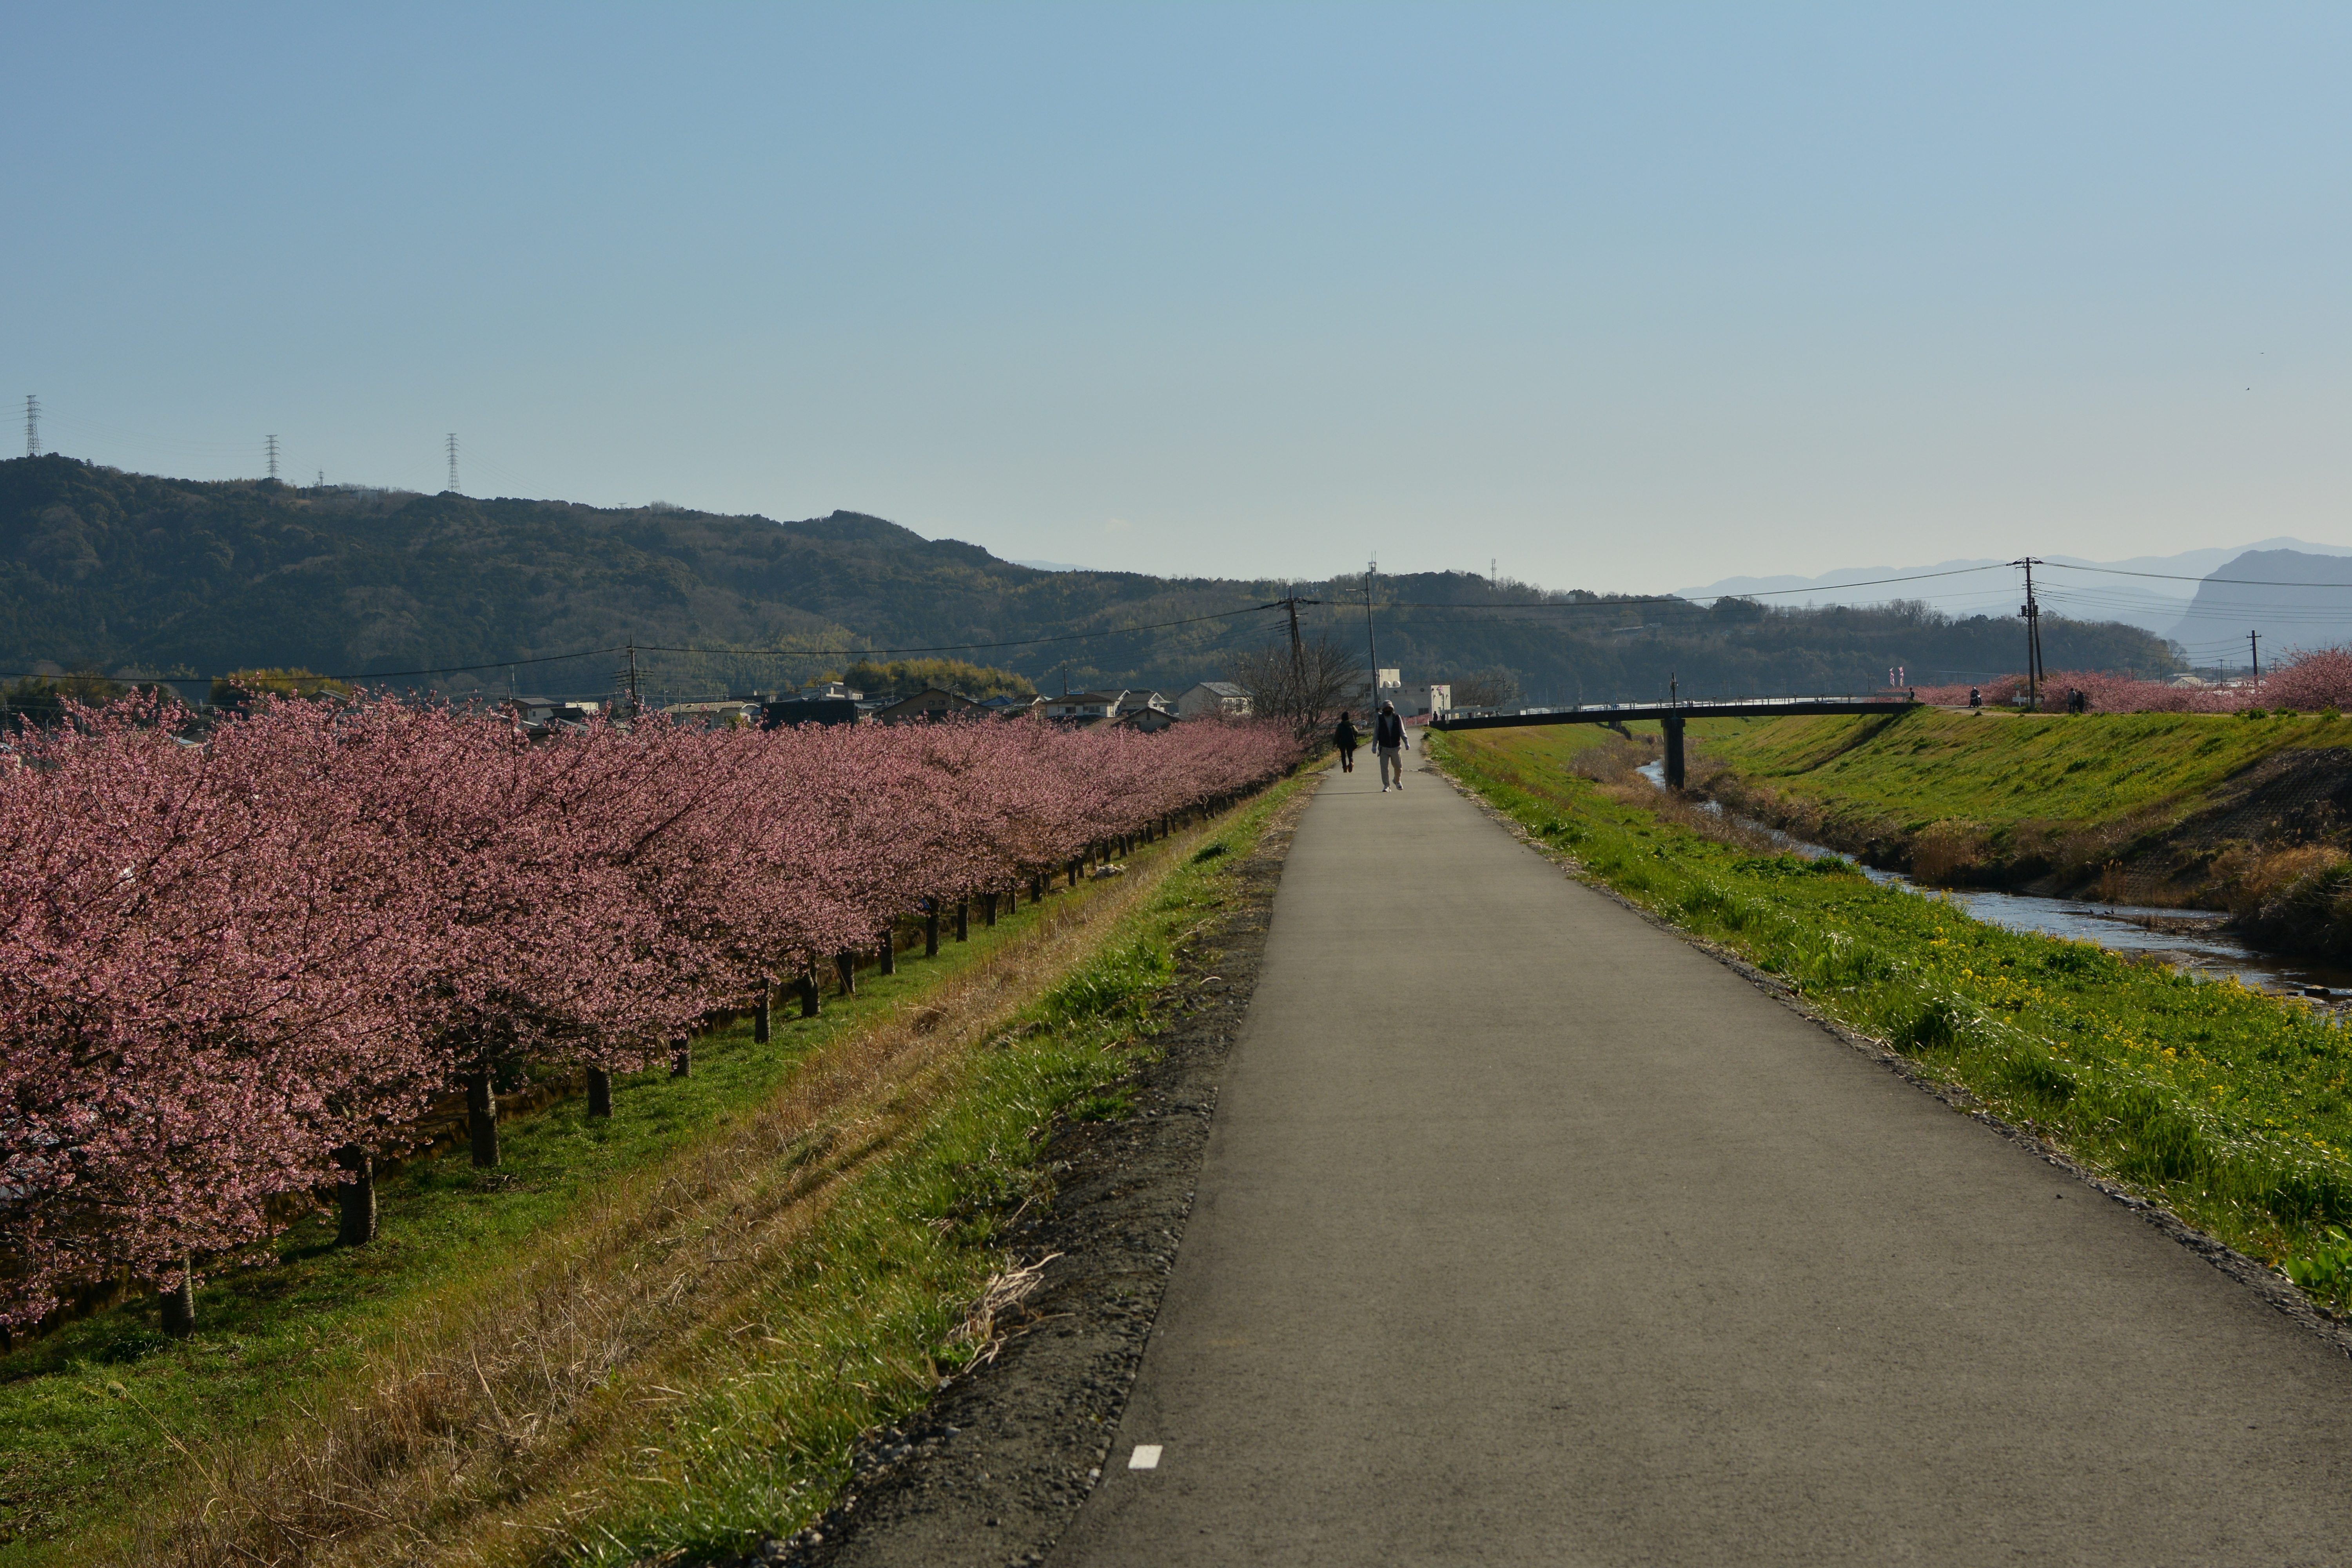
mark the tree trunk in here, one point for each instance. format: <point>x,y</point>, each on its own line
<point>759,1010</point>
<point>681,1059</point>
<point>482,1116</point>
<point>600,1093</point>
<point>179,1303</point>
<point>1038,889</point>
<point>845,965</point>
<point>932,928</point>
<point>964,920</point>
<point>988,909</point>
<point>355,1199</point>
<point>887,956</point>
<point>811,1005</point>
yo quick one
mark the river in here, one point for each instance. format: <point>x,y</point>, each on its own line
<point>2193,941</point>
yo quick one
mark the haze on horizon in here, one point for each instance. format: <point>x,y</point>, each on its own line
<point>1619,298</point>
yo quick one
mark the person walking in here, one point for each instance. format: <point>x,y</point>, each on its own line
<point>1388,739</point>
<point>1344,737</point>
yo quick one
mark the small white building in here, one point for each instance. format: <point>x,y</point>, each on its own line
<point>1438,698</point>
<point>1214,698</point>
<point>1085,705</point>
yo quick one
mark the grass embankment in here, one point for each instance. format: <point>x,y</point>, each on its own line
<point>659,1332</point>
<point>2002,797</point>
<point>2231,1108</point>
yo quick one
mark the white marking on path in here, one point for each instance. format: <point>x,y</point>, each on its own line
<point>1144,1457</point>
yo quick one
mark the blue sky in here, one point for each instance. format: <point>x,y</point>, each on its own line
<point>1624,297</point>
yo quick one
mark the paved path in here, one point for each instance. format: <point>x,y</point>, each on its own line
<point>1528,1235</point>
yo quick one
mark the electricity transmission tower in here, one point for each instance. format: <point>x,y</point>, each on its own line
<point>453,461</point>
<point>269,443</point>
<point>32,425</point>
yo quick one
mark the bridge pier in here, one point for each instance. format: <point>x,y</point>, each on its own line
<point>1673,726</point>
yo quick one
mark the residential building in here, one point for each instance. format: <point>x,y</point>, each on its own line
<point>1214,698</point>
<point>1074,705</point>
<point>931,703</point>
<point>734,714</point>
<point>1149,720</point>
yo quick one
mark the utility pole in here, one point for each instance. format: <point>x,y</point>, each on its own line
<point>1372,642</point>
<point>1298,646</point>
<point>32,425</point>
<point>629,676</point>
<point>2031,611</point>
<point>269,446</point>
<point>2254,644</point>
<point>453,461</point>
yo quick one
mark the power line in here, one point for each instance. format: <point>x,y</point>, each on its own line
<point>1682,598</point>
<point>964,647</point>
<point>2177,577</point>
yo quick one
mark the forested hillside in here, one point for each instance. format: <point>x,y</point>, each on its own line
<point>133,573</point>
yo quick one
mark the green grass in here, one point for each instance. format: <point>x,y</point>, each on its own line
<point>1997,769</point>
<point>87,1409</point>
<point>762,1440</point>
<point>2230,1107</point>
<point>98,1416</point>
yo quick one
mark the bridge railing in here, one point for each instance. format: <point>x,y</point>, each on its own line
<point>1708,707</point>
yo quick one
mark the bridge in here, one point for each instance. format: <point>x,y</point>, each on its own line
<point>1670,716</point>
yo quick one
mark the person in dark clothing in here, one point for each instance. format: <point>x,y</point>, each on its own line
<point>1344,737</point>
<point>1387,740</point>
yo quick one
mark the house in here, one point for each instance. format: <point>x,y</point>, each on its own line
<point>927,706</point>
<point>1008,707</point>
<point>793,710</point>
<point>1147,719</point>
<point>729,715</point>
<point>1080,705</point>
<point>1214,698</point>
<point>1137,701</point>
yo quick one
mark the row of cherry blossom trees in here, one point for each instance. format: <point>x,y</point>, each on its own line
<point>2307,682</point>
<point>237,971</point>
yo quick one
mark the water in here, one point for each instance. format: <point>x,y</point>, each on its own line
<point>2191,940</point>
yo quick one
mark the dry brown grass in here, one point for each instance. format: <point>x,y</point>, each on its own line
<point>1616,764</point>
<point>1949,852</point>
<point>2248,877</point>
<point>495,1405</point>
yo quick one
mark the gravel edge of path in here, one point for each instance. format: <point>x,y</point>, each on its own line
<point>2274,1289</point>
<point>996,1466</point>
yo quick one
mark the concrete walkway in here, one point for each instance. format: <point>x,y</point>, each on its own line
<point>1528,1235</point>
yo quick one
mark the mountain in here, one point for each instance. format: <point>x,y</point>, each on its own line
<point>2151,591</point>
<point>135,573</point>
<point>2293,598</point>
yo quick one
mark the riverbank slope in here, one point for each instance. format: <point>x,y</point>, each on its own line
<point>2248,814</point>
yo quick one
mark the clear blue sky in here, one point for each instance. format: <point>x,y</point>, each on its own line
<point>1625,296</point>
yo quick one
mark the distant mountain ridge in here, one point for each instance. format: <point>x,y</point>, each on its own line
<point>2154,603</point>
<point>2293,599</point>
<point>135,573</point>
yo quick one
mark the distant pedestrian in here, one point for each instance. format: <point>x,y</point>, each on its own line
<point>1388,739</point>
<point>1344,738</point>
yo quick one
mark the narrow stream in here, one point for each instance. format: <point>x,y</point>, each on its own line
<point>2191,940</point>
